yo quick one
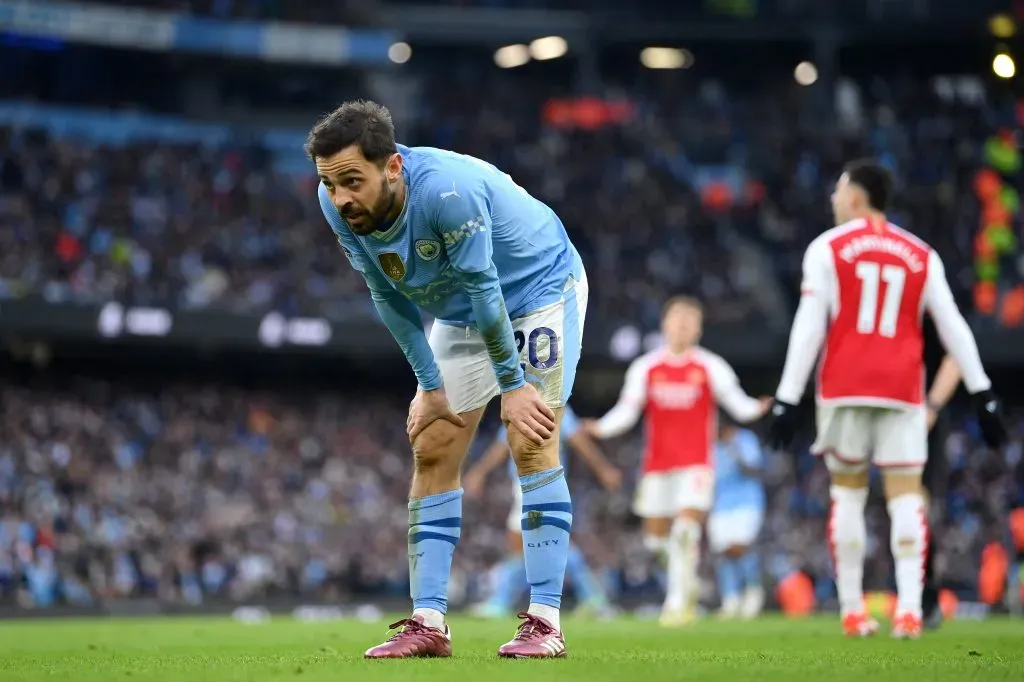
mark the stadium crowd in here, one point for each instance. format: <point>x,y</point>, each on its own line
<point>193,493</point>
<point>184,225</point>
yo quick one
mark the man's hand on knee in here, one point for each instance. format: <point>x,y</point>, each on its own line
<point>525,410</point>
<point>426,408</point>
<point>530,456</point>
<point>438,451</point>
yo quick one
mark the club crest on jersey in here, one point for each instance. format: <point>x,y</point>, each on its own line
<point>428,249</point>
<point>392,265</point>
<point>695,377</point>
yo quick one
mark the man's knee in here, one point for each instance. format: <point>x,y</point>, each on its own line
<point>657,526</point>
<point>693,514</point>
<point>735,551</point>
<point>439,446</point>
<point>849,479</point>
<point>902,482</point>
<point>532,458</point>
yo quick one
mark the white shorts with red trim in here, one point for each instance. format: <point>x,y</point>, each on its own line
<point>851,438</point>
<point>663,494</point>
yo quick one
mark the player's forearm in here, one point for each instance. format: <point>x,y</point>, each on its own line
<point>618,421</point>
<point>402,319</point>
<point>494,456</point>
<point>495,327</point>
<point>805,341</point>
<point>740,406</point>
<point>944,384</point>
<point>959,341</point>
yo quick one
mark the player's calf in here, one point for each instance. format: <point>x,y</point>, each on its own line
<point>847,538</point>
<point>909,543</point>
<point>437,454</point>
<point>683,559</point>
<point>546,524</point>
<point>435,525</point>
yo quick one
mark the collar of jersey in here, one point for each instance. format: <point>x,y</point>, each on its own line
<point>678,358</point>
<point>396,226</point>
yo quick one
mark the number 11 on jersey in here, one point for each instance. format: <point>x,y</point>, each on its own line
<point>872,276</point>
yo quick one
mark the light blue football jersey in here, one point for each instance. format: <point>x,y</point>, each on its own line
<point>733,489</point>
<point>570,425</point>
<point>463,215</point>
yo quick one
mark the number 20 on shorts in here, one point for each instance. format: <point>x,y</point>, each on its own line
<point>531,343</point>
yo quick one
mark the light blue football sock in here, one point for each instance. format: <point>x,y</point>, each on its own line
<point>547,521</point>
<point>729,578</point>
<point>435,523</point>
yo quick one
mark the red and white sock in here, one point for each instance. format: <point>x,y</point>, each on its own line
<point>909,541</point>
<point>847,538</point>
<point>683,561</point>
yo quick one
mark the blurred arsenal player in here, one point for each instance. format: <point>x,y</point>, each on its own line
<point>678,388</point>
<point>865,286</point>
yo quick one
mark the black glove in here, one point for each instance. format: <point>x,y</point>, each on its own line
<point>782,427</point>
<point>989,410</point>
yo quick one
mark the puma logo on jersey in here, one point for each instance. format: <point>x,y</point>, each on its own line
<point>453,193</point>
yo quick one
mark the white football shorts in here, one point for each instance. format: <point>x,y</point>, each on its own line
<point>851,438</point>
<point>549,340</point>
<point>663,494</point>
<point>734,527</point>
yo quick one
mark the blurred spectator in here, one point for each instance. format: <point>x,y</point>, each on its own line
<point>194,492</point>
<point>192,226</point>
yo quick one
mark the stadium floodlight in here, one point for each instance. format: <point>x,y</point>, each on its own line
<point>551,47</point>
<point>511,56</point>
<point>666,58</point>
<point>1003,66</point>
<point>805,73</point>
<point>399,53</point>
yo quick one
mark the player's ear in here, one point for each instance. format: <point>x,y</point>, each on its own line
<point>393,167</point>
<point>858,197</point>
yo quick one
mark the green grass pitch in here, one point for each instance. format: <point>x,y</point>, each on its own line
<point>219,650</point>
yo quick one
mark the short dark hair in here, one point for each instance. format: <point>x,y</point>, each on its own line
<point>874,178</point>
<point>684,300</point>
<point>358,122</point>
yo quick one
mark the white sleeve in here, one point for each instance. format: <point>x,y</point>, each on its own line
<point>725,386</point>
<point>632,399</point>
<point>953,330</point>
<point>809,324</point>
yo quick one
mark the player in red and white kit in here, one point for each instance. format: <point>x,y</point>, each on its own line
<point>678,388</point>
<point>866,284</point>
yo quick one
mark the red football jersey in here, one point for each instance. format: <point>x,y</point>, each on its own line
<point>678,396</point>
<point>874,347</point>
<point>874,281</point>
